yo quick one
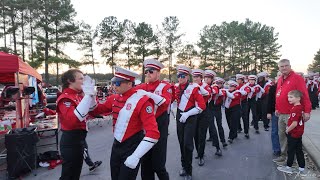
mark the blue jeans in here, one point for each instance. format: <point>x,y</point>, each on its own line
<point>274,134</point>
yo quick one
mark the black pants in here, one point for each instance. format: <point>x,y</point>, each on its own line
<point>233,118</point>
<point>295,148</point>
<point>72,148</point>
<point>155,160</point>
<point>264,107</point>
<point>313,97</point>
<point>186,132</point>
<point>119,154</point>
<point>201,131</point>
<point>244,116</point>
<point>252,105</point>
<point>86,155</point>
<point>216,115</point>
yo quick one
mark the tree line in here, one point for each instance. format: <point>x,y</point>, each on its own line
<point>39,30</point>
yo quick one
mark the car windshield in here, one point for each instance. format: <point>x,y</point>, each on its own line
<point>51,91</point>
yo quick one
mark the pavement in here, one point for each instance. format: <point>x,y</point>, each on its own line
<point>311,137</point>
<point>243,160</point>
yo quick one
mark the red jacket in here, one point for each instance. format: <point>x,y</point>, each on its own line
<point>164,91</point>
<point>246,88</point>
<point>66,104</point>
<point>188,96</point>
<point>206,87</point>
<point>284,86</point>
<point>235,101</point>
<point>216,97</point>
<point>130,115</point>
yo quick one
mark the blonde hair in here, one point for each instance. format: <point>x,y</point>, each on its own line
<point>296,93</point>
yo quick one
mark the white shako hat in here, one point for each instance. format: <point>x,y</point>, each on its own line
<point>233,83</point>
<point>197,72</point>
<point>240,76</point>
<point>219,80</point>
<point>183,69</point>
<point>209,73</point>
<point>262,74</point>
<point>252,77</point>
<point>153,63</point>
<point>121,74</point>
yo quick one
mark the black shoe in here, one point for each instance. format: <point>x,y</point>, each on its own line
<point>201,162</point>
<point>182,172</point>
<point>188,177</point>
<point>197,157</point>
<point>247,136</point>
<point>219,152</point>
<point>266,129</point>
<point>257,131</point>
<point>95,166</point>
<point>230,141</point>
<point>224,144</point>
<point>210,139</point>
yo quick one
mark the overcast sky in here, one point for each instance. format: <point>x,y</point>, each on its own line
<point>297,21</point>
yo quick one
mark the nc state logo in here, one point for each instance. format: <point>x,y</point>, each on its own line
<point>157,92</point>
<point>128,106</point>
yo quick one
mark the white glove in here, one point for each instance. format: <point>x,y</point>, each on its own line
<point>203,91</point>
<point>158,100</point>
<point>82,109</point>
<point>40,115</point>
<point>184,117</point>
<point>145,145</point>
<point>261,89</point>
<point>191,112</point>
<point>93,104</point>
<point>220,92</point>
<point>88,86</point>
<point>243,92</point>
<point>230,95</point>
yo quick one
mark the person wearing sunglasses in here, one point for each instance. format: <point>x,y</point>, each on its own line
<point>154,162</point>
<point>134,124</point>
<point>190,103</point>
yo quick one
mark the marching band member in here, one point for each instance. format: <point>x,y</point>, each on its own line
<point>244,90</point>
<point>252,100</point>
<point>190,103</point>
<point>216,103</point>
<point>134,124</point>
<point>72,108</point>
<point>312,87</point>
<point>263,98</point>
<point>155,160</point>
<point>232,109</point>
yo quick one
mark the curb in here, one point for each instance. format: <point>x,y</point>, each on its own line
<point>312,150</point>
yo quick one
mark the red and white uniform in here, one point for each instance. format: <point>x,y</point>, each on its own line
<point>66,104</point>
<point>188,97</point>
<point>266,88</point>
<point>218,96</point>
<point>244,87</point>
<point>162,89</point>
<point>311,84</point>
<point>207,97</point>
<point>229,102</point>
<point>132,112</point>
<point>255,89</point>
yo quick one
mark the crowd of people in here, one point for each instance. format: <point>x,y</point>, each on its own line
<point>141,116</point>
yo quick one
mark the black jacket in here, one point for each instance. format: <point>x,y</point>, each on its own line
<point>272,99</point>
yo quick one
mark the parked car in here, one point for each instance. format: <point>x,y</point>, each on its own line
<point>51,94</point>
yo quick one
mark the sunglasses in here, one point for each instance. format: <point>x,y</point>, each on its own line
<point>117,83</point>
<point>148,71</point>
<point>181,76</point>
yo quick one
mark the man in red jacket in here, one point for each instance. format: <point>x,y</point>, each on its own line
<point>288,81</point>
<point>190,103</point>
<point>155,160</point>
